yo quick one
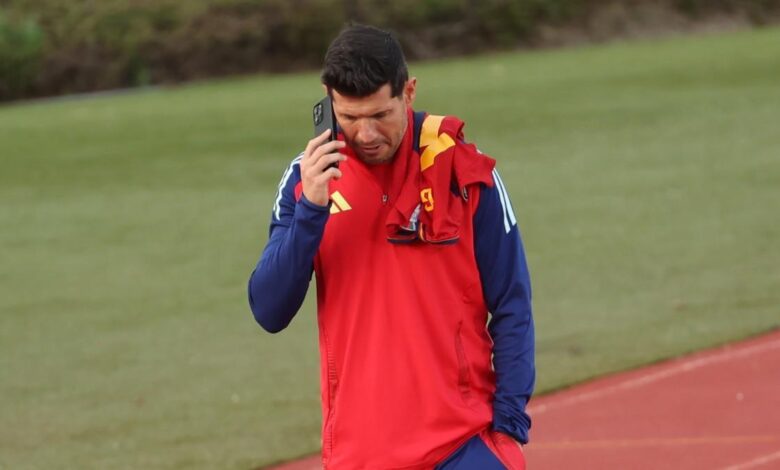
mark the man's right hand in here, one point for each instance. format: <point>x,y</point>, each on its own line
<point>318,155</point>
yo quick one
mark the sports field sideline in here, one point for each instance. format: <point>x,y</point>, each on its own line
<point>645,177</point>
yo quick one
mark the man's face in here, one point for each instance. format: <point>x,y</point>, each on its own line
<point>374,125</point>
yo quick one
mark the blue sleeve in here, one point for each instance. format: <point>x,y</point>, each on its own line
<point>279,282</point>
<point>506,286</point>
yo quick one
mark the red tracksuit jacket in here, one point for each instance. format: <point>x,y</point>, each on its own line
<point>406,370</point>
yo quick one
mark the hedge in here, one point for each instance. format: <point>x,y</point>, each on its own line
<point>50,47</point>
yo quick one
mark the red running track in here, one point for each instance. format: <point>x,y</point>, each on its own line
<point>716,409</point>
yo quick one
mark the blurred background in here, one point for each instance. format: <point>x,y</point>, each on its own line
<point>638,139</point>
<point>51,47</point>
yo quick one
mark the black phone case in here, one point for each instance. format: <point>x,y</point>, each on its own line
<point>323,117</point>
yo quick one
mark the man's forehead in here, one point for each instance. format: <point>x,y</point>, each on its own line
<point>370,104</point>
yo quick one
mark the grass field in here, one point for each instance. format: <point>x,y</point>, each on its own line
<point>646,180</point>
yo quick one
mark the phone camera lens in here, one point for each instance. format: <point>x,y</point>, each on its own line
<point>318,114</point>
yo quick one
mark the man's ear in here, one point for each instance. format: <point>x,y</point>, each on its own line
<point>410,91</point>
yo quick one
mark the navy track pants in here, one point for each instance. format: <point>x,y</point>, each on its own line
<point>488,450</point>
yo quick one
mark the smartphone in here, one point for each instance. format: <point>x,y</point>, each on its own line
<point>325,119</point>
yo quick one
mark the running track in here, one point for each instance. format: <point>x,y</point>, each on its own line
<point>716,409</point>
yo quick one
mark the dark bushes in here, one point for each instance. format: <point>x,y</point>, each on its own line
<point>53,47</point>
<point>21,50</point>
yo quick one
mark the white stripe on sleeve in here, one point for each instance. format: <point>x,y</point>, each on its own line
<point>285,177</point>
<point>510,210</point>
<point>509,215</point>
<point>503,203</point>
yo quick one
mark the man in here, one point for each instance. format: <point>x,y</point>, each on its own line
<point>413,240</point>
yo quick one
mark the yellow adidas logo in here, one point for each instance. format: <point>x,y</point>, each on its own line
<point>339,203</point>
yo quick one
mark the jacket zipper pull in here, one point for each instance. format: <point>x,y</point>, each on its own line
<point>384,199</point>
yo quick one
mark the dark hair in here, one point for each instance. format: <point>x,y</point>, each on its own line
<point>362,59</point>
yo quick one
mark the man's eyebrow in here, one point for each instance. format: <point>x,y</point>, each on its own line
<point>373,115</point>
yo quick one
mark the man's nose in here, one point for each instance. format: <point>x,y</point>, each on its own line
<point>366,131</point>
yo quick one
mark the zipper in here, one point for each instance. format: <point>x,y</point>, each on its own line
<point>463,366</point>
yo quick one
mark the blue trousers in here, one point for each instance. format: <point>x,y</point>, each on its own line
<point>473,455</point>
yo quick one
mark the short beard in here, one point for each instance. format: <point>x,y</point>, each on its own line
<point>391,155</point>
<point>380,160</point>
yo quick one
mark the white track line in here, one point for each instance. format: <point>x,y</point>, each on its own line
<point>684,366</point>
<point>657,442</point>
<point>756,462</point>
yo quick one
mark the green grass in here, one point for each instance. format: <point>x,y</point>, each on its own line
<point>646,180</point>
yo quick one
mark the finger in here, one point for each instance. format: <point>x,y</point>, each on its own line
<point>316,142</point>
<point>326,160</point>
<point>322,157</point>
<point>330,173</point>
<point>326,148</point>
